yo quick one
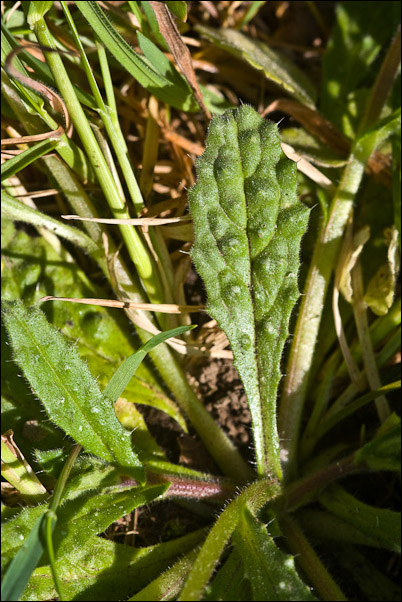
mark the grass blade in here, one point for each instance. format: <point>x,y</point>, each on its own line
<point>14,165</point>
<point>145,72</point>
<point>126,371</point>
<point>23,563</point>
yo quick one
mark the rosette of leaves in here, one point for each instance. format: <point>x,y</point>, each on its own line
<point>248,224</point>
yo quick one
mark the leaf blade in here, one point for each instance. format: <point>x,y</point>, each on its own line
<point>271,572</point>
<point>66,388</point>
<point>276,67</point>
<point>248,224</point>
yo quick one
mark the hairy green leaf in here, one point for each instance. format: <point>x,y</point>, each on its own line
<point>271,572</point>
<point>66,388</point>
<point>248,224</point>
<point>101,569</point>
<point>256,495</point>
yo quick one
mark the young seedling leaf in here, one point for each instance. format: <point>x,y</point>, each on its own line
<point>248,224</point>
<point>66,387</point>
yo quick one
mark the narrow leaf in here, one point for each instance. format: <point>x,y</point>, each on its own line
<point>146,73</point>
<point>256,495</point>
<point>23,563</point>
<point>376,523</point>
<point>66,388</point>
<point>248,224</point>
<point>125,372</point>
<point>14,165</point>
<point>271,572</point>
<point>276,67</point>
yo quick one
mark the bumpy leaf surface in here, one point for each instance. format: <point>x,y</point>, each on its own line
<point>248,224</point>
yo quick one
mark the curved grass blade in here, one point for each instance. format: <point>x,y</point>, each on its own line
<point>248,224</point>
<point>14,165</point>
<point>126,371</point>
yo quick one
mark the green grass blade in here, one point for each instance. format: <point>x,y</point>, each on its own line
<point>23,563</point>
<point>66,388</point>
<point>146,73</point>
<point>14,165</point>
<point>334,418</point>
<point>16,210</point>
<point>126,371</point>
<point>248,224</point>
